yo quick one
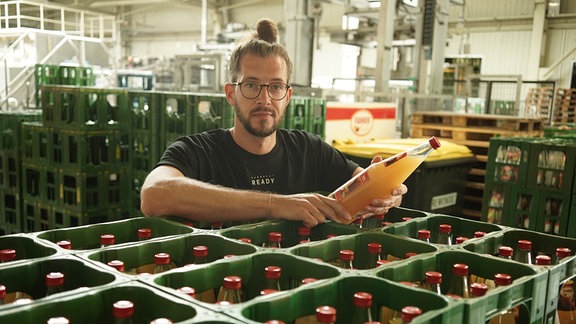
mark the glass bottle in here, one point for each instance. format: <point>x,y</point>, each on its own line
<point>64,244</point>
<point>303,234</point>
<point>7,255</point>
<point>478,289</point>
<point>461,239</point>
<point>362,308</point>
<point>2,295</point>
<point>374,252</point>
<point>58,320</point>
<point>507,316</point>
<point>432,281</point>
<point>459,280</point>
<point>479,234</point>
<point>325,314</point>
<point>274,240</point>
<point>161,262</point>
<point>308,280</point>
<point>231,290</point>
<point>423,235</point>
<point>543,260</point>
<point>106,240</point>
<point>272,274</point>
<point>200,253</point>
<point>54,283</point>
<point>562,253</point>
<point>144,234</point>
<point>345,259</point>
<point>505,252</point>
<point>187,291</point>
<point>378,179</point>
<point>122,311</point>
<point>523,252</point>
<point>409,313</point>
<point>444,234</point>
<point>216,225</point>
<point>117,264</point>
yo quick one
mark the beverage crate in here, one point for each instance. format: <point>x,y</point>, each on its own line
<point>528,288</point>
<point>508,159</point>
<point>95,306</point>
<point>213,111</point>
<point>552,165</point>
<point>553,213</point>
<point>560,130</point>
<point>26,247</point>
<point>76,75</point>
<point>29,277</point>
<point>496,204</point>
<point>10,168</point>
<point>138,178</point>
<point>10,212</point>
<point>145,151</point>
<point>460,227</point>
<point>37,143</point>
<point>177,116</point>
<point>524,209</point>
<point>84,108</point>
<point>36,215</point>
<point>139,258</point>
<point>317,110</point>
<point>40,182</point>
<point>297,115</point>
<point>62,217</point>
<point>394,248</point>
<point>87,237</point>
<point>145,110</point>
<point>545,244</point>
<point>338,293</point>
<point>10,122</point>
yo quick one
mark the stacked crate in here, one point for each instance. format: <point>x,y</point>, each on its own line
<point>539,102</point>
<point>565,106</point>
<point>73,75</point>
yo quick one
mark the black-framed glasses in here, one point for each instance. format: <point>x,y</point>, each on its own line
<point>251,89</point>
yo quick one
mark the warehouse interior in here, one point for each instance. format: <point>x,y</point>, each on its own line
<point>92,93</point>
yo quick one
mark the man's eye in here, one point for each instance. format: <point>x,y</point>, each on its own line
<point>250,85</point>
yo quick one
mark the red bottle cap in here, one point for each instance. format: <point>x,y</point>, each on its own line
<point>326,314</point>
<point>274,322</point>
<point>423,234</point>
<point>232,282</point>
<point>445,228</point>
<point>7,255</point>
<point>460,269</point>
<point>479,234</point>
<point>117,264</point>
<point>563,252</point>
<point>245,240</point>
<point>524,245</point>
<point>144,233</point>
<point>54,279</point>
<point>304,231</point>
<point>410,254</point>
<point>188,291</point>
<point>461,239</point>
<point>200,251</point>
<point>161,258</point>
<point>374,248</point>
<point>307,281</point>
<point>409,312</point>
<point>478,289</point>
<point>363,299</point>
<point>123,309</point>
<point>502,279</point>
<point>272,272</point>
<point>382,262</point>
<point>107,239</point>
<point>346,255</point>
<point>331,236</point>
<point>405,219</point>
<point>275,237</point>
<point>2,291</point>
<point>267,291</point>
<point>434,142</point>
<point>217,225</point>
<point>433,277</point>
<point>543,260</point>
<point>505,251</point>
<point>453,296</point>
<point>64,244</point>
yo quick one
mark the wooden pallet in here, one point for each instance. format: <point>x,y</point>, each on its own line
<point>492,123</point>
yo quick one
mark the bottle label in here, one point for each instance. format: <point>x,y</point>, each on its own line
<point>361,179</point>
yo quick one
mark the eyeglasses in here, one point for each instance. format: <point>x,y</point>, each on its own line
<point>251,89</point>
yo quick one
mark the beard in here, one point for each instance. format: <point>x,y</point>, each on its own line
<point>260,130</point>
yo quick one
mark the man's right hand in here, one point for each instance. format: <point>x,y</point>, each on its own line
<point>312,209</point>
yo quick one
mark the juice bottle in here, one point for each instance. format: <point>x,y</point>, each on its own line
<point>378,179</point>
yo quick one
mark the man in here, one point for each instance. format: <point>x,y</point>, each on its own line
<point>254,170</point>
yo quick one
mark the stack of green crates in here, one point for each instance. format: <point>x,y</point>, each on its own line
<point>91,286</point>
<point>50,74</point>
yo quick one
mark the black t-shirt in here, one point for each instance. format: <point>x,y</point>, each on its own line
<point>300,162</point>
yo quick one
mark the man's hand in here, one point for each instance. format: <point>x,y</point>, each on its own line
<point>382,205</point>
<point>312,209</point>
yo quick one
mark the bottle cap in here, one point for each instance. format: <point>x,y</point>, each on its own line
<point>410,254</point>
<point>405,219</point>
<point>433,277</point>
<point>331,235</point>
<point>2,291</point>
<point>505,251</point>
<point>117,264</point>
<point>460,269</point>
<point>161,320</point>
<point>58,320</point>
<point>64,244</point>
<point>200,251</point>
<point>275,237</point>
<point>272,272</point>
<point>107,239</point>
<point>423,234</point>
<point>434,142</point>
<point>144,233</point>
<point>188,291</point>
<point>304,231</point>
<point>232,282</point>
<point>307,281</point>
<point>461,239</point>
<point>385,223</point>
<point>478,289</point>
<point>543,260</point>
<point>453,296</point>
<point>363,299</point>
<point>374,248</point>
<point>478,234</point>
<point>562,252</point>
<point>409,312</point>
<point>123,309</point>
<point>274,322</point>
<point>54,279</point>
<point>524,245</point>
<point>326,314</point>
<point>161,258</point>
<point>382,262</point>
<point>224,303</point>
<point>217,225</point>
<point>445,228</point>
<point>245,240</point>
<point>7,255</point>
<point>267,291</point>
<point>346,255</point>
<point>502,279</point>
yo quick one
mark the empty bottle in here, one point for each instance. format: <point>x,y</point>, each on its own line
<point>161,262</point>
<point>7,255</point>
<point>478,289</point>
<point>144,234</point>
<point>272,274</point>
<point>433,281</point>
<point>444,234</point>
<point>523,252</point>
<point>325,314</point>
<point>122,311</point>
<point>64,244</point>
<point>117,264</point>
<point>374,254</point>
<point>345,259</point>
<point>459,281</point>
<point>200,253</point>
<point>409,313</point>
<point>362,308</point>
<point>106,240</point>
<point>231,290</point>
<point>423,235</point>
<point>274,240</point>
<point>54,283</point>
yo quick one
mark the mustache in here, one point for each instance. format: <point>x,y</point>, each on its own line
<point>263,109</point>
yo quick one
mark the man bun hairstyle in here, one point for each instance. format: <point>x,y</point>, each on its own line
<point>262,42</point>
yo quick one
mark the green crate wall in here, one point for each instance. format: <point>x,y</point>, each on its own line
<point>10,122</point>
<point>10,212</point>
<point>554,213</point>
<point>523,210</point>
<point>552,165</point>
<point>317,109</point>
<point>177,116</point>
<point>508,160</point>
<point>213,111</point>
<point>297,115</point>
<point>49,74</point>
<point>145,128</point>
<point>495,204</point>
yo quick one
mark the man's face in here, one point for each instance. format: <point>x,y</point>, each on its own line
<point>260,116</point>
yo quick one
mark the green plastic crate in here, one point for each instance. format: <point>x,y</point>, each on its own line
<point>27,248</point>
<point>63,217</point>
<point>212,111</point>
<point>10,212</point>
<point>524,210</point>
<point>297,115</point>
<point>552,165</point>
<point>317,110</point>
<point>508,159</point>
<point>496,203</point>
<point>37,146</point>
<point>177,116</point>
<point>554,213</point>
<point>10,169</point>
<point>10,122</point>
